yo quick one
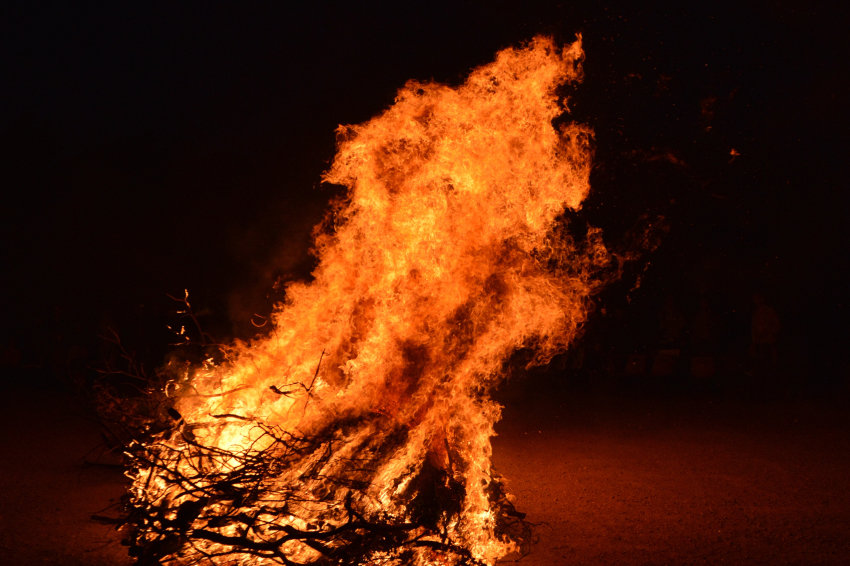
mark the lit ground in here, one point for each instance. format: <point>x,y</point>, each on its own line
<point>609,480</point>
<point>680,480</point>
<point>47,493</point>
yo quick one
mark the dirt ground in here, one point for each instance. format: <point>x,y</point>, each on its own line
<point>47,492</point>
<point>608,480</point>
<point>678,480</point>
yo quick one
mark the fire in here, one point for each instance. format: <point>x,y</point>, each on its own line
<point>361,425</point>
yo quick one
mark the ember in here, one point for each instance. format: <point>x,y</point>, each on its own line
<point>358,430</point>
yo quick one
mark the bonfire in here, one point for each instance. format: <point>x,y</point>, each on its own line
<point>357,430</point>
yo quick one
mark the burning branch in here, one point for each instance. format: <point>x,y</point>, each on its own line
<point>231,502</point>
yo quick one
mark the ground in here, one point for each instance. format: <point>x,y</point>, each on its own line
<point>47,492</point>
<point>679,479</point>
<point>608,479</point>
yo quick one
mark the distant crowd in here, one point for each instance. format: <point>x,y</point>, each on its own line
<point>677,349</point>
<point>696,345</point>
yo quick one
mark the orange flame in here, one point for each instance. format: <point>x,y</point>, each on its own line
<point>445,257</point>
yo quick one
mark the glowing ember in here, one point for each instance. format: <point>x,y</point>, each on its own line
<point>360,427</point>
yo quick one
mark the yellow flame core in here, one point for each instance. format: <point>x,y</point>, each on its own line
<point>432,272</point>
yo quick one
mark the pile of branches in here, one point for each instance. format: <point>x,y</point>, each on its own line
<point>227,506</point>
<point>286,499</point>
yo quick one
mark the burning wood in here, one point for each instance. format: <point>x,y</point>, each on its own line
<point>358,431</point>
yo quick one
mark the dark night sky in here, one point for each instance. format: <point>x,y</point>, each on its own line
<point>150,147</point>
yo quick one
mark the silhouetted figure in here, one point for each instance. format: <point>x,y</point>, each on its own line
<point>672,322</point>
<point>704,330</point>
<point>765,331</point>
<point>10,355</point>
<point>703,341</point>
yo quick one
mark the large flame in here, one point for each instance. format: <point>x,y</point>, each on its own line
<point>445,257</point>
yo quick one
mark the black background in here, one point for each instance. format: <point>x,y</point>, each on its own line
<point>147,148</point>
